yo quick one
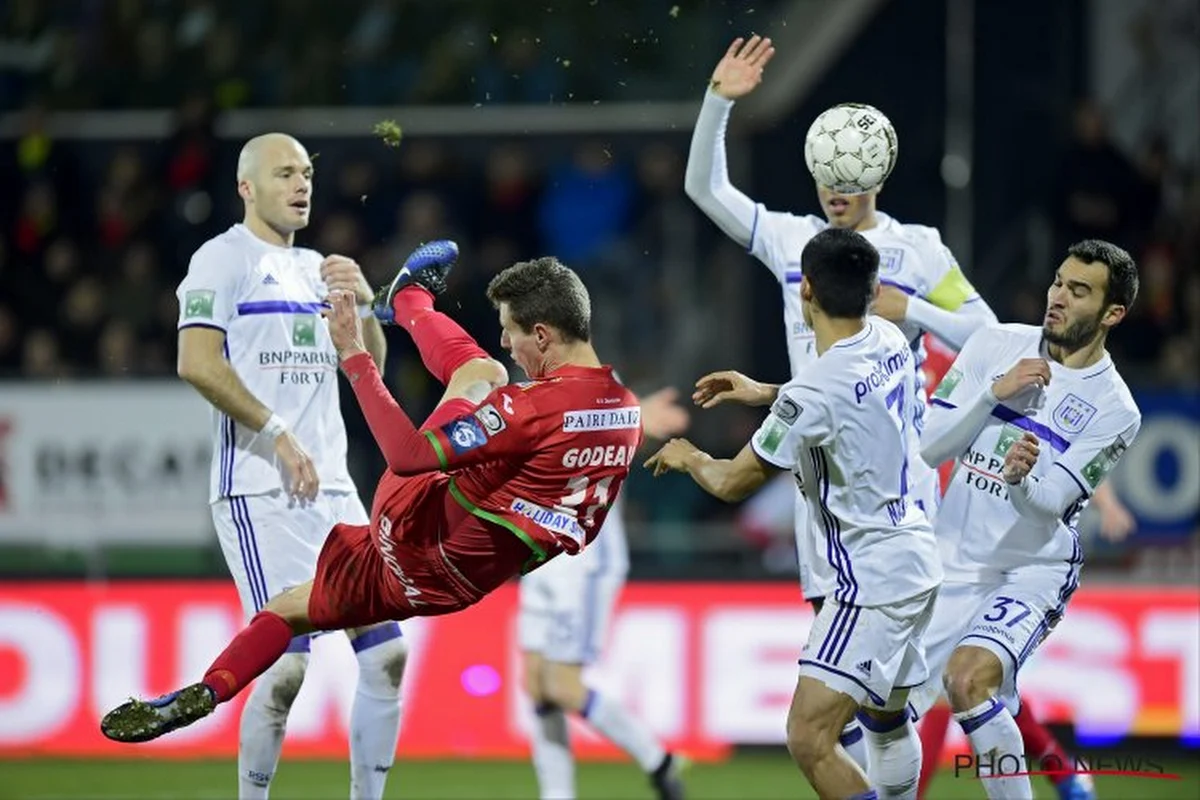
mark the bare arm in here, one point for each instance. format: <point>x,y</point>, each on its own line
<point>202,363</point>
<point>728,479</point>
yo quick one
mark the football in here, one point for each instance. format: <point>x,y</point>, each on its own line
<point>850,148</point>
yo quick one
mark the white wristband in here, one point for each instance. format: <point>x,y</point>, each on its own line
<point>274,427</point>
<point>366,312</point>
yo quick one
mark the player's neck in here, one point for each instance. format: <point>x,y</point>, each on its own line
<point>868,222</point>
<point>577,354</point>
<point>268,234</point>
<point>828,331</point>
<point>1079,358</point>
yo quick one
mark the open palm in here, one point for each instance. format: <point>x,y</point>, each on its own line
<point>741,70</point>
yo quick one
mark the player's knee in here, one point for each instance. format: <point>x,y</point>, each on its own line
<point>292,606</point>
<point>808,740</point>
<point>381,665</point>
<point>972,676</point>
<point>283,681</point>
<point>562,686</point>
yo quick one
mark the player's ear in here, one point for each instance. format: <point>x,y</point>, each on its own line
<point>245,190</point>
<point>1113,315</point>
<point>543,336</point>
<point>805,290</point>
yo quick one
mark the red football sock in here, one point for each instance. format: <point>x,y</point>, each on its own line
<point>443,345</point>
<point>933,738</point>
<point>1041,744</point>
<point>257,647</point>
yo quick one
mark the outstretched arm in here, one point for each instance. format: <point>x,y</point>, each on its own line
<point>728,479</point>
<point>952,327</point>
<point>707,178</point>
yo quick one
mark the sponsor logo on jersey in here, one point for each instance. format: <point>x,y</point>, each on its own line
<point>1009,435</point>
<point>949,382</point>
<point>890,259</point>
<point>560,522</point>
<point>304,330</point>
<point>270,280</point>
<point>771,435</point>
<point>1095,470</point>
<point>198,304</point>
<point>602,419</point>
<point>465,434</point>
<point>883,370</point>
<point>490,418</point>
<point>1073,414</point>
<point>787,409</point>
<point>864,667</point>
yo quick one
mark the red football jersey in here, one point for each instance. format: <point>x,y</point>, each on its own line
<point>546,458</point>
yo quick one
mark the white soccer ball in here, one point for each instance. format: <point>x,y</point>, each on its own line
<point>851,148</point>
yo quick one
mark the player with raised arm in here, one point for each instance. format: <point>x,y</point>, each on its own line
<point>844,426</point>
<point>252,342</point>
<point>923,291</point>
<point>564,614</point>
<point>486,489</point>
<point>1035,418</point>
<point>923,288</point>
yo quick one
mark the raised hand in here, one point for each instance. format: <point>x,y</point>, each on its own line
<point>728,386</point>
<point>672,457</point>
<point>1020,458</point>
<point>341,273</point>
<point>741,70</point>
<point>345,328</point>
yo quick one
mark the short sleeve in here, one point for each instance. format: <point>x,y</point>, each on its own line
<point>504,426</point>
<point>208,294</point>
<point>799,418</point>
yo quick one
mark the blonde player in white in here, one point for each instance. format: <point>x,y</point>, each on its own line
<point>843,427</point>
<point>1035,418</point>
<point>923,288</point>
<point>252,341</point>
<point>564,614</point>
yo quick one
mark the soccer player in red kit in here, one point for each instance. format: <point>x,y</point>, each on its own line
<point>498,480</point>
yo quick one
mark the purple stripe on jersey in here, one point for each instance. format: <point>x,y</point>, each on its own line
<point>279,307</point>
<point>837,657</point>
<point>937,401</point>
<point>898,285</point>
<point>251,550</point>
<point>753,230</point>
<point>832,553</point>
<point>225,481</point>
<point>377,635</point>
<point>793,276</point>
<point>243,548</point>
<point>831,635</point>
<point>254,554</point>
<point>836,531</point>
<point>202,325</point>
<point>1036,428</point>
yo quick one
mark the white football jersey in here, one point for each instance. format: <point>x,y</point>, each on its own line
<point>267,299</point>
<point>843,426</point>
<point>1084,420</point>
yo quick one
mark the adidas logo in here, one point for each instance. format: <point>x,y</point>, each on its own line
<point>864,667</point>
<point>270,280</point>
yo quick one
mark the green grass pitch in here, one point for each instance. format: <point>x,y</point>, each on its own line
<point>745,777</point>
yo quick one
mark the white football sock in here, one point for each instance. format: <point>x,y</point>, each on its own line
<point>895,757</point>
<point>855,746</point>
<point>624,730</point>
<point>552,759</point>
<point>375,716</point>
<point>998,748</point>
<point>260,735</point>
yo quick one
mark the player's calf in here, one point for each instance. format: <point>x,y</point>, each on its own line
<point>815,722</point>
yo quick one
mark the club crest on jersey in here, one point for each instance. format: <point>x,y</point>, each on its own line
<point>490,418</point>
<point>465,434</point>
<point>1073,414</point>
<point>304,330</point>
<point>890,259</point>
